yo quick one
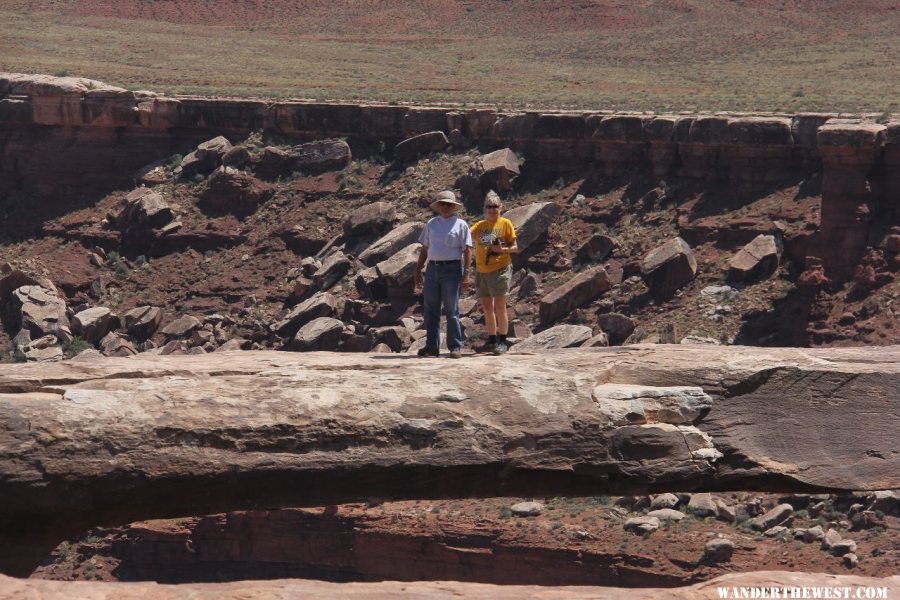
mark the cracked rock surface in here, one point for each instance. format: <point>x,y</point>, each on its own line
<point>110,441</point>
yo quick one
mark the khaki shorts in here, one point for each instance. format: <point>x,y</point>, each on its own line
<point>493,284</point>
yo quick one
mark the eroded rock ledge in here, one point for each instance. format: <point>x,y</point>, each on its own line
<point>293,588</point>
<point>119,440</point>
<point>101,133</point>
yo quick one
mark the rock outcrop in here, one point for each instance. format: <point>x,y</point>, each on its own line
<point>234,430</point>
<point>757,259</point>
<point>582,289</point>
<point>386,246</point>
<point>105,134</point>
<point>412,148</point>
<point>312,158</point>
<point>668,267</point>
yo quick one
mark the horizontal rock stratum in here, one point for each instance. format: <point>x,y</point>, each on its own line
<point>293,588</point>
<point>114,441</point>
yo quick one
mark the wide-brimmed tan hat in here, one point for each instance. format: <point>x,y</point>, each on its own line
<point>445,197</point>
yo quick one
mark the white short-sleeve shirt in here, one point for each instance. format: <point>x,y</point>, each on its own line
<point>446,239</point>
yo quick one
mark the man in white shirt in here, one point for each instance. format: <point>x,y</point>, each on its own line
<point>447,247</point>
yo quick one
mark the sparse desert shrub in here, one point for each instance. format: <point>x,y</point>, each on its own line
<point>76,345</point>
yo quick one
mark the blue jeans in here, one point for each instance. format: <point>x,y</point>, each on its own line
<point>442,288</point>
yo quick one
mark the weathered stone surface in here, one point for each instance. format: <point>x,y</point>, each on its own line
<point>842,547</point>
<point>206,157</point>
<point>666,500</point>
<point>40,312</point>
<point>503,159</point>
<point>43,349</point>
<point>831,538</point>
<point>39,589</point>
<point>702,505</point>
<point>532,220</point>
<point>394,275</point>
<point>499,169</point>
<point>776,516</point>
<point>758,259</point>
<point>526,509</point>
<point>596,248</point>
<point>181,327</point>
<point>309,159</point>
<point>414,147</point>
<point>93,324</point>
<point>12,278</point>
<point>582,289</point>
<point>724,512</point>
<point>813,534</point>
<point>322,304</point>
<point>374,218</point>
<point>397,271</point>
<point>629,404</point>
<point>887,501</point>
<point>114,344</point>
<point>561,336</point>
<point>215,148</point>
<point>144,209</point>
<point>718,551</point>
<point>384,247</point>
<point>326,428</point>
<point>143,321</point>
<point>642,525</point>
<point>666,514</point>
<point>301,287</point>
<point>601,340</point>
<point>397,337</point>
<point>668,267</point>
<point>333,268</point>
<point>617,326</point>
<point>232,191</point>
<point>323,333</point>
<point>237,157</point>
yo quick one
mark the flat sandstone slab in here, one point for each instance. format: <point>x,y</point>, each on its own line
<point>118,440</point>
<point>36,589</point>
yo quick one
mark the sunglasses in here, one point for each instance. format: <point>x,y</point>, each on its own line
<point>491,208</point>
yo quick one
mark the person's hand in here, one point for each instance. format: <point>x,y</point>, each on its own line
<point>466,284</point>
<point>417,281</point>
<point>497,248</point>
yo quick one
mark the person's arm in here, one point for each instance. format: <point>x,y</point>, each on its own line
<point>467,260</point>
<point>513,246</point>
<point>420,264</point>
<point>511,249</point>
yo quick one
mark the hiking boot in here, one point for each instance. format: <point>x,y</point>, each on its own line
<point>427,351</point>
<point>486,347</point>
<point>500,348</point>
<point>456,354</point>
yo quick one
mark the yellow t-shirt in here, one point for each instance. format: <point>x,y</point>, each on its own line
<point>483,234</point>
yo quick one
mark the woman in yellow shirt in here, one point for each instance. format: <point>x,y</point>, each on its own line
<point>495,240</point>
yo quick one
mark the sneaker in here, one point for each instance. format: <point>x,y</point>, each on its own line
<point>456,354</point>
<point>427,351</point>
<point>500,348</point>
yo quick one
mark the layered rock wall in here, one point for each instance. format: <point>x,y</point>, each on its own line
<point>62,136</point>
